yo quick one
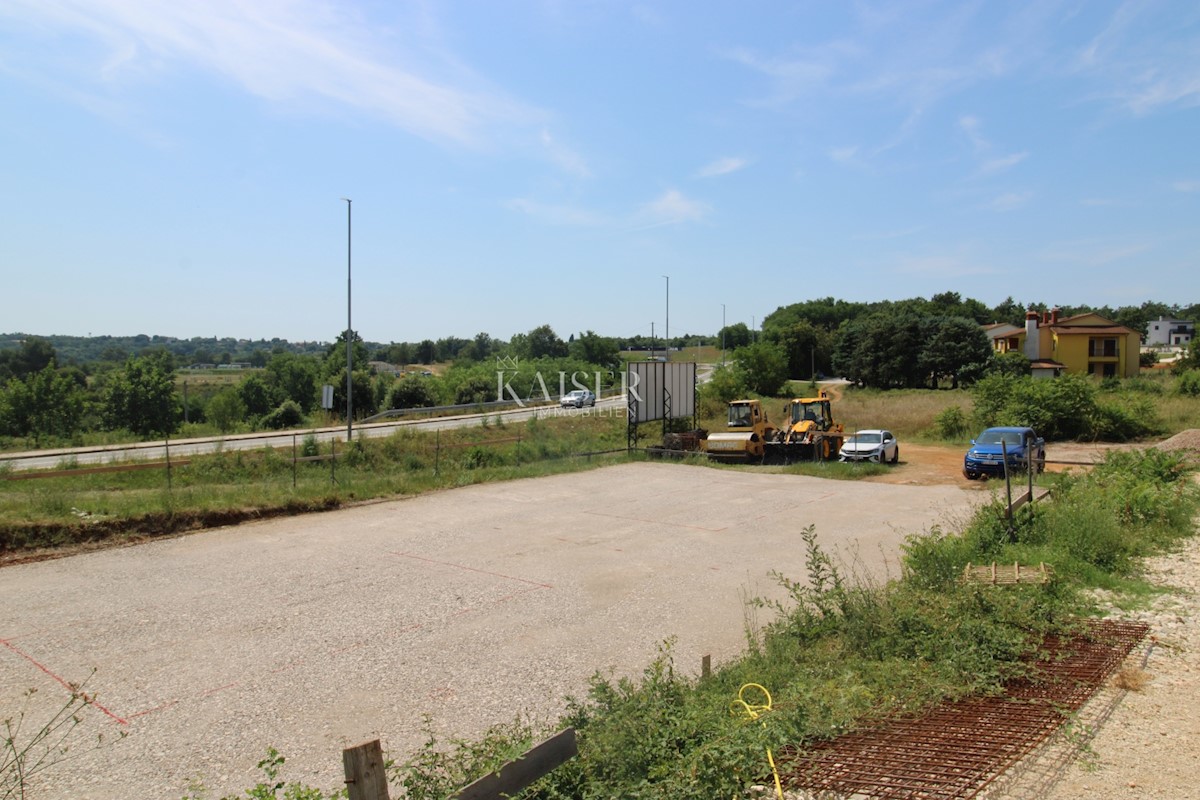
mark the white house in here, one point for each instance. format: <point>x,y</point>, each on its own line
<point>1170,332</point>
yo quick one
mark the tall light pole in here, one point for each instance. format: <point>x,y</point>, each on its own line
<point>349,344</point>
<point>722,334</point>
<point>667,335</point>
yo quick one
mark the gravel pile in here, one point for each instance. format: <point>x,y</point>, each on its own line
<point>1187,440</point>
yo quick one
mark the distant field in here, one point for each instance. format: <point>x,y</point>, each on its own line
<point>219,378</point>
<point>705,354</point>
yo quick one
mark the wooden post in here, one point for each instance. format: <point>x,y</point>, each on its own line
<point>293,461</point>
<point>366,778</point>
<point>706,666</point>
<point>516,775</point>
<point>1007,485</point>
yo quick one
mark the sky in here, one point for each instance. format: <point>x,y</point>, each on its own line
<point>179,168</point>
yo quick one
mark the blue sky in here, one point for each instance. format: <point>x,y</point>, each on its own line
<point>175,167</point>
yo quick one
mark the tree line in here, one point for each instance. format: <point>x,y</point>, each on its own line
<point>46,397</point>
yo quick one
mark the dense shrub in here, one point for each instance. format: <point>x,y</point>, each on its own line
<point>410,392</point>
<point>288,415</point>
<point>1068,407</point>
<point>1189,383</point>
<point>951,423</point>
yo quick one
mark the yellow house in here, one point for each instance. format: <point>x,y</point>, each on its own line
<point>1085,344</point>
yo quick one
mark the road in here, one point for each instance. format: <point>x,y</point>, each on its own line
<point>157,450</point>
<point>468,606</point>
<point>180,448</point>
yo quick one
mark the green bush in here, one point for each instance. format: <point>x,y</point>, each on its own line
<point>951,423</point>
<point>1120,421</point>
<point>1189,383</point>
<point>287,415</point>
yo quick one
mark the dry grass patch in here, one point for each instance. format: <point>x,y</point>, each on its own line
<point>1132,679</point>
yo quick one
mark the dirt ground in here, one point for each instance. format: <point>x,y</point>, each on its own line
<point>938,465</point>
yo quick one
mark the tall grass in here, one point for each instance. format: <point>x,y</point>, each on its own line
<point>230,485</point>
<point>909,413</point>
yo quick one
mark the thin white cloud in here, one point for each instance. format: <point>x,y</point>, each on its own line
<point>1146,62</point>
<point>1010,201</point>
<point>567,159</point>
<point>843,155</point>
<point>566,216</point>
<point>293,52</point>
<point>994,165</point>
<point>790,78</point>
<point>722,166</point>
<point>1186,186</point>
<point>883,235</point>
<point>943,266</point>
<point>670,208</point>
<point>971,127</point>
<point>1092,253</point>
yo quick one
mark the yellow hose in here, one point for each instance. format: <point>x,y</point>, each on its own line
<point>753,710</point>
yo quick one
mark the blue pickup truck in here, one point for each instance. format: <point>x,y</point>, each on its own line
<point>986,456</point>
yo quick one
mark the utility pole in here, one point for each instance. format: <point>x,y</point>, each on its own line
<point>667,336</point>
<point>349,337</point>
<point>722,334</point>
<point>653,344</point>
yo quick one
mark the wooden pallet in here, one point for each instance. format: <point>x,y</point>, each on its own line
<point>1004,574</point>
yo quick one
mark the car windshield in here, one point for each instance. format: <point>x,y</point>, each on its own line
<point>865,438</point>
<point>992,436</point>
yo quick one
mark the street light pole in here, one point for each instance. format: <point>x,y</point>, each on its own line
<point>722,334</point>
<point>667,336</point>
<point>349,336</point>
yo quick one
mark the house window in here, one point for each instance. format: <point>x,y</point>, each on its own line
<point>1102,348</point>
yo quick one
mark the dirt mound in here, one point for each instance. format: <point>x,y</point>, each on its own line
<point>1187,440</point>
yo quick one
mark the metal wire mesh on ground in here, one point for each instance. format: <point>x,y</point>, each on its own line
<point>958,749</point>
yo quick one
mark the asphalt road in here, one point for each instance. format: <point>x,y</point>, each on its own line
<point>180,448</point>
<point>470,606</point>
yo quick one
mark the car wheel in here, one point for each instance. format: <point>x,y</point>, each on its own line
<point>896,456</point>
<point>970,475</point>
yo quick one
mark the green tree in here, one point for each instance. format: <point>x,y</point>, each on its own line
<point>882,350</point>
<point>543,341</point>
<point>140,396</point>
<point>225,409</point>
<point>410,392</point>
<point>595,349</point>
<point>807,347</point>
<point>955,348</point>
<point>761,367</point>
<point>1013,363</point>
<point>46,404</point>
<point>257,395</point>
<point>731,337</point>
<point>33,356</point>
<point>294,377</point>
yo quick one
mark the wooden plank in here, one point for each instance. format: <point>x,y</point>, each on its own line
<point>516,775</point>
<point>366,776</point>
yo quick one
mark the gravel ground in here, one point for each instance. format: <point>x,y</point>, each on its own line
<point>314,633</point>
<point>1150,743</point>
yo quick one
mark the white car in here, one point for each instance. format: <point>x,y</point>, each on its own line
<point>577,399</point>
<point>872,445</point>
